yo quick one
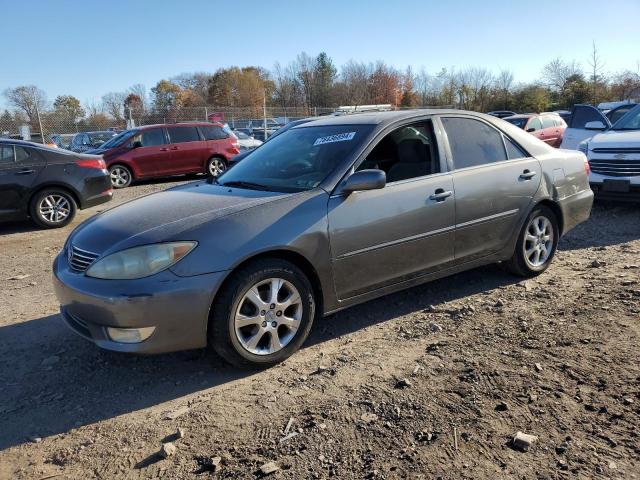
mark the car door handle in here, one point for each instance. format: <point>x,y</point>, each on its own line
<point>164,149</point>
<point>174,148</point>
<point>440,195</point>
<point>26,171</point>
<point>527,175</point>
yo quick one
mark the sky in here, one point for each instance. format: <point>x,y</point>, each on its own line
<point>89,48</point>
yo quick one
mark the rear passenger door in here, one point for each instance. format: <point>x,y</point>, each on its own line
<point>187,150</point>
<point>494,182</point>
<point>19,169</point>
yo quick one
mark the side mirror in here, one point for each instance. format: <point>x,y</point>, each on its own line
<point>530,130</point>
<point>365,180</point>
<point>595,125</point>
<point>136,144</point>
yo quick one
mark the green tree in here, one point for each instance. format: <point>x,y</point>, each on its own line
<point>67,108</point>
<point>324,76</point>
<point>532,98</point>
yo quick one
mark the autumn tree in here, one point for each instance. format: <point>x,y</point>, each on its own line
<point>68,109</point>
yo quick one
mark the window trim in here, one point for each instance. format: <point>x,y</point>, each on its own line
<point>447,146</point>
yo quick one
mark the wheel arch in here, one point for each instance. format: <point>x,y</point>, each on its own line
<point>129,166</point>
<point>555,208</point>
<point>67,188</point>
<point>291,256</point>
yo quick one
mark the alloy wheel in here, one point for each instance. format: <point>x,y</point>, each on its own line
<point>268,316</point>
<point>55,208</point>
<point>119,176</point>
<point>538,241</point>
<point>216,167</point>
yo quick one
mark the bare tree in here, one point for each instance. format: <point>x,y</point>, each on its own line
<point>28,98</point>
<point>504,84</point>
<point>557,73</point>
<point>113,103</point>
<point>140,91</point>
<point>355,77</point>
<point>597,67</point>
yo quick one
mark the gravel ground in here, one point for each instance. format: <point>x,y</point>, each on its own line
<point>432,382</point>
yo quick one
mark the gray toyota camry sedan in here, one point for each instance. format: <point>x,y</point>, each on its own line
<point>331,213</point>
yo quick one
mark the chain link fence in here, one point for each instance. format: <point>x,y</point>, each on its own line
<point>59,128</point>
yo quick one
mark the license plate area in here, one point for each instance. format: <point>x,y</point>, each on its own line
<point>616,186</point>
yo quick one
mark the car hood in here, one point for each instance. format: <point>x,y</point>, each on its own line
<point>616,139</point>
<point>165,216</point>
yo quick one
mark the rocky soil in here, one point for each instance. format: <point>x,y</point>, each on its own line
<point>433,382</point>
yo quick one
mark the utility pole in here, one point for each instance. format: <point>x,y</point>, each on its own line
<point>40,122</point>
<point>264,112</point>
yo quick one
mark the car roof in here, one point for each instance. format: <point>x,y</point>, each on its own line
<point>20,142</point>
<point>382,118</point>
<point>177,124</point>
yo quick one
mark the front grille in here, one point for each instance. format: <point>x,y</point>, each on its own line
<point>79,260</point>
<point>614,151</point>
<point>615,168</point>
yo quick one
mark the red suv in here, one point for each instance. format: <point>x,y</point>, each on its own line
<point>548,127</point>
<point>163,150</point>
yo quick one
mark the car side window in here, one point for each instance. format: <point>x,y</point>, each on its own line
<point>407,152</point>
<point>548,122</point>
<point>212,132</point>
<point>152,138</point>
<point>513,150</point>
<point>534,125</point>
<point>22,154</point>
<point>473,142</point>
<point>184,134</point>
<point>6,155</point>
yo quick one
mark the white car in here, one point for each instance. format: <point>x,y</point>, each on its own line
<point>245,141</point>
<point>585,121</point>
<point>614,159</point>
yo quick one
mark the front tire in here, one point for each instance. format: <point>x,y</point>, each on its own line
<point>537,243</point>
<point>120,176</point>
<point>262,315</point>
<point>216,166</point>
<point>52,208</point>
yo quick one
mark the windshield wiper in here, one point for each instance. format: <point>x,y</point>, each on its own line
<point>243,184</point>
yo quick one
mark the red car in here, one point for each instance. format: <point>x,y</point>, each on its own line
<point>548,127</point>
<point>164,150</point>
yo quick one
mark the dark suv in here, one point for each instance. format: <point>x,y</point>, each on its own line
<point>49,184</point>
<point>164,150</point>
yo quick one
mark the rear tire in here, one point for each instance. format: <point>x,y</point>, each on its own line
<point>537,243</point>
<point>52,208</point>
<point>216,166</point>
<point>262,315</point>
<point>120,175</point>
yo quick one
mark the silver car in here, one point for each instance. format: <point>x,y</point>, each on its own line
<point>331,213</point>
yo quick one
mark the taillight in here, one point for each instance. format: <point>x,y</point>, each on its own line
<point>98,163</point>
<point>587,167</point>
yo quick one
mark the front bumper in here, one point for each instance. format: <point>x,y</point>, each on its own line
<point>178,307</point>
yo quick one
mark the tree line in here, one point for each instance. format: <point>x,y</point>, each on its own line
<point>311,82</point>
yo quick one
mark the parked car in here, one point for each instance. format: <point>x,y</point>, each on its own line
<point>502,113</point>
<point>587,120</point>
<point>49,184</point>
<point>246,142</point>
<point>164,150</point>
<point>548,127</point>
<point>614,157</point>
<point>62,140</point>
<point>85,141</point>
<point>289,125</point>
<point>326,215</point>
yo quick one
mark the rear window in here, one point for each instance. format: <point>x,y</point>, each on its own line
<point>183,134</point>
<point>212,132</point>
<point>519,122</point>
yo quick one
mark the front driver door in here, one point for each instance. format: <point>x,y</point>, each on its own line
<point>402,231</point>
<point>576,130</point>
<point>19,169</point>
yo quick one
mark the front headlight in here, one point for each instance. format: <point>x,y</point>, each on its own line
<point>139,262</point>
<point>583,147</point>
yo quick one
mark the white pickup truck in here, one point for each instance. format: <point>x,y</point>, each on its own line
<point>614,157</point>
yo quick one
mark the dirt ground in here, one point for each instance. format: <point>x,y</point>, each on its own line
<point>432,382</point>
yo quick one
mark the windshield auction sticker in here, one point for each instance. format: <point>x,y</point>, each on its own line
<point>340,137</point>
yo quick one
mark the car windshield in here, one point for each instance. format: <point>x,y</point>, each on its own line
<point>630,121</point>
<point>118,139</point>
<point>297,160</point>
<point>518,121</point>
